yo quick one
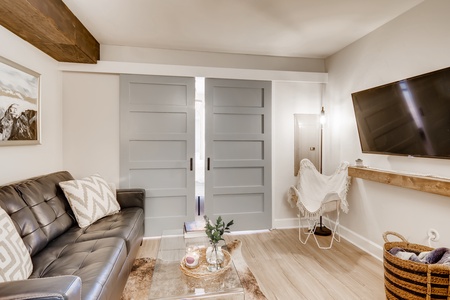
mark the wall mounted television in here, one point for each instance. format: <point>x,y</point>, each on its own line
<point>409,117</point>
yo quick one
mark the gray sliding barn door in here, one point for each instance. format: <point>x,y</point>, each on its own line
<point>157,144</point>
<point>238,152</point>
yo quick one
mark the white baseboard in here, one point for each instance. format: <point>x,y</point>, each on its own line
<point>359,241</point>
<point>285,223</point>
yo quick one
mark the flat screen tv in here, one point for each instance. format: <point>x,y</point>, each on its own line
<point>409,117</point>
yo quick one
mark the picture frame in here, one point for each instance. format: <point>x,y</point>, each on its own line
<point>19,105</point>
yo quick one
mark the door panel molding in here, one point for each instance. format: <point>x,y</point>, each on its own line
<point>238,186</point>
<point>157,144</point>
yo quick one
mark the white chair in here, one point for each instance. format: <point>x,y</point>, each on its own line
<point>317,195</point>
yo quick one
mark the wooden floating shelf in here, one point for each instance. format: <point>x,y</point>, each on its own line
<point>428,184</point>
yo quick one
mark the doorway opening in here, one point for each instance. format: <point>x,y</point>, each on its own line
<point>199,147</point>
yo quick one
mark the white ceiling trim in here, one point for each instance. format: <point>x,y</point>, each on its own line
<point>113,67</point>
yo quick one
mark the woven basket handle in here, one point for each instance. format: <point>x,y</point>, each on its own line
<point>386,233</point>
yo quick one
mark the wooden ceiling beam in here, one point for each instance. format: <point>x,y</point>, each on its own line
<point>50,26</point>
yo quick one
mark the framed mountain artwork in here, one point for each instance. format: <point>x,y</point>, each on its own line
<point>19,105</point>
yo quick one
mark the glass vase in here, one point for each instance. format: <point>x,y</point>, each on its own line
<point>214,257</point>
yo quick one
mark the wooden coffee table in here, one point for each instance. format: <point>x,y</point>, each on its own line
<point>169,282</point>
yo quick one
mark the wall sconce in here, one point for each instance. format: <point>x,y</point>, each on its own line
<point>322,116</point>
<point>322,121</point>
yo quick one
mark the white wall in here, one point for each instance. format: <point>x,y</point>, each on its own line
<point>416,42</point>
<point>288,98</point>
<point>91,125</point>
<point>20,162</point>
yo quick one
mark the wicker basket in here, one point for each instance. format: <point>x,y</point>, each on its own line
<point>404,279</point>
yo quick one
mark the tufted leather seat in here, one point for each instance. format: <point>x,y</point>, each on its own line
<point>93,261</point>
<point>119,225</point>
<point>101,255</point>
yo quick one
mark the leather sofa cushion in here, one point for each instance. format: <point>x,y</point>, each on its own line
<point>24,220</point>
<point>125,224</point>
<point>39,209</point>
<point>95,262</point>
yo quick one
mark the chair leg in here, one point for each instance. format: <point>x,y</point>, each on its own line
<point>335,232</point>
<point>310,228</point>
<point>311,225</point>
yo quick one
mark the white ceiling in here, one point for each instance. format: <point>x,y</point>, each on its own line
<point>293,28</point>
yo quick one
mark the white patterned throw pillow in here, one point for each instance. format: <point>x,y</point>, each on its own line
<point>90,198</point>
<point>15,260</point>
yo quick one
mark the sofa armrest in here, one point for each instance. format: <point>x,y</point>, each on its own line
<point>131,197</point>
<point>49,288</point>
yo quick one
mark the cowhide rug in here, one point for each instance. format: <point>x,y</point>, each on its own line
<point>137,286</point>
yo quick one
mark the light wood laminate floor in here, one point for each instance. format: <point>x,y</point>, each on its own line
<point>287,269</point>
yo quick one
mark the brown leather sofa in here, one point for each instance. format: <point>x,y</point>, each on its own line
<point>70,262</point>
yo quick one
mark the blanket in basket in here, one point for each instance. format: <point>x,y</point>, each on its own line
<point>436,256</point>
